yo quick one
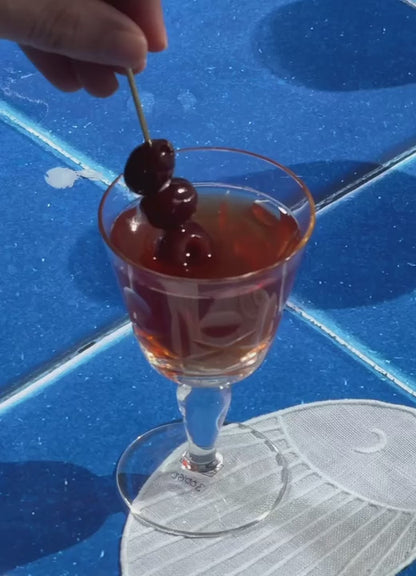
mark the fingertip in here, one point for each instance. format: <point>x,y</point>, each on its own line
<point>157,40</point>
<point>68,88</point>
<point>148,15</point>
<point>126,49</point>
<point>98,80</point>
<point>103,91</point>
<point>159,44</point>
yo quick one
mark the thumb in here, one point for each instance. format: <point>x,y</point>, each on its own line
<point>88,30</point>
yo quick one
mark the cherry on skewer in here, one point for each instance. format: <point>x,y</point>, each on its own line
<point>171,206</point>
<point>167,202</point>
<point>150,166</point>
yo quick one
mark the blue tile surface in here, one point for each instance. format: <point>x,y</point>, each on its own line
<point>69,436</point>
<point>359,272</point>
<point>328,88</point>
<point>310,81</point>
<point>56,287</point>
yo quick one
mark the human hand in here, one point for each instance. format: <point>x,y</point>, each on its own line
<point>82,43</point>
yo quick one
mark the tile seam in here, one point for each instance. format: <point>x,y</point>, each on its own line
<point>354,351</point>
<point>368,178</point>
<point>53,144</point>
<point>85,352</point>
<point>38,381</point>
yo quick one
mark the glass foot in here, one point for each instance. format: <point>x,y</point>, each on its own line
<point>243,489</point>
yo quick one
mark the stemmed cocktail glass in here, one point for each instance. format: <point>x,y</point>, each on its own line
<point>197,477</point>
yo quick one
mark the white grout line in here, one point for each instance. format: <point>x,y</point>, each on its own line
<point>353,350</point>
<point>367,179</point>
<point>411,3</point>
<point>46,378</point>
<point>23,124</point>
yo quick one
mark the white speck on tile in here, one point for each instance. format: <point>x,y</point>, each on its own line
<point>61,177</point>
<point>187,99</point>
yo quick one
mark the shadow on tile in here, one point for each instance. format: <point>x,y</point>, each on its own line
<point>326,178</point>
<point>352,45</point>
<point>363,249</point>
<point>323,178</point>
<point>362,252</point>
<point>49,506</point>
<point>90,268</point>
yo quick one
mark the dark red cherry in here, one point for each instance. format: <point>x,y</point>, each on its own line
<point>188,245</point>
<point>150,166</point>
<point>172,205</point>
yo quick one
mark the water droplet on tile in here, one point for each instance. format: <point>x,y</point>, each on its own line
<point>61,177</point>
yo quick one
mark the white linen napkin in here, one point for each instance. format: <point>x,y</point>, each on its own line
<point>349,508</point>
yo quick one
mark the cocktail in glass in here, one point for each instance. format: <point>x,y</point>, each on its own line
<point>206,327</point>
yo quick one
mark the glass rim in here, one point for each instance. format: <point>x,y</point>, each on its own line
<point>227,279</point>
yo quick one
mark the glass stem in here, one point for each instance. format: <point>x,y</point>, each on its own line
<point>204,411</point>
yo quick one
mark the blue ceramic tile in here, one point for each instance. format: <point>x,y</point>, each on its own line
<point>56,287</point>
<point>359,273</point>
<point>59,448</point>
<point>307,82</point>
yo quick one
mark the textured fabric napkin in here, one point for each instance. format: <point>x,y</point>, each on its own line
<point>349,508</point>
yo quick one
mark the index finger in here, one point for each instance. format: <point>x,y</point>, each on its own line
<point>148,15</point>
